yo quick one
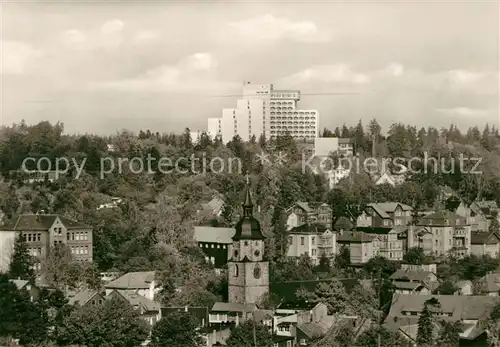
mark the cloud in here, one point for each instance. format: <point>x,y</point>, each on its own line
<point>75,39</point>
<point>112,27</point>
<point>192,74</point>
<point>269,27</point>
<point>395,69</point>
<point>146,35</point>
<point>466,112</point>
<point>336,73</point>
<point>17,57</point>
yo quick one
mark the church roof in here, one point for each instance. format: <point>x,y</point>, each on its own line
<point>248,228</point>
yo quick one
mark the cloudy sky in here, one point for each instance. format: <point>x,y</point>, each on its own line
<point>102,67</point>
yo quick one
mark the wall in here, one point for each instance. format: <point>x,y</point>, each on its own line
<point>7,240</point>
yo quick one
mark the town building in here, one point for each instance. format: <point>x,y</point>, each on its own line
<point>391,241</point>
<point>408,280</point>
<point>149,310</point>
<point>86,298</point>
<point>489,284</point>
<point>265,111</point>
<point>386,214</point>
<point>440,234</point>
<point>328,146</point>
<point>479,214</point>
<point>469,309</point>
<point>313,240</point>
<point>362,247</point>
<point>42,232</point>
<point>143,283</point>
<point>485,243</point>
<point>303,212</point>
<point>214,242</point>
<point>248,271</point>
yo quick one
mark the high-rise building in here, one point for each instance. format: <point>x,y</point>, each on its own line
<point>265,111</point>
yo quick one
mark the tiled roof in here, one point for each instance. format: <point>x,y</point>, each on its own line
<point>439,219</point>
<point>42,222</point>
<point>389,206</point>
<point>491,283</point>
<point>484,237</point>
<point>137,300</point>
<point>354,237</point>
<point>461,307</point>
<point>82,297</point>
<point>411,275</point>
<point>233,307</point>
<point>133,280</point>
<point>308,229</point>
<point>20,284</point>
<point>261,315</point>
<point>317,329</point>
<point>198,312</point>
<point>214,234</point>
<point>408,285</point>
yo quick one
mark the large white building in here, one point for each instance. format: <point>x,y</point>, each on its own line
<point>265,111</point>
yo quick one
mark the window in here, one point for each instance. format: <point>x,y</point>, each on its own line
<point>235,270</point>
<point>302,342</point>
<point>386,222</point>
<point>67,236</point>
<point>29,237</point>
<point>302,241</point>
<point>39,236</point>
<point>313,252</point>
<point>290,240</point>
<point>313,240</point>
<point>289,344</point>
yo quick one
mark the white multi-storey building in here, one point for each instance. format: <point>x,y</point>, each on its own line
<point>265,111</point>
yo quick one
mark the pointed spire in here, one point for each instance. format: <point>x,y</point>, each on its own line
<point>248,205</point>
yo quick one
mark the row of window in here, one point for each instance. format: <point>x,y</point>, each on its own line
<point>294,132</point>
<point>308,115</point>
<point>80,250</point>
<point>36,237</point>
<point>81,236</point>
<point>205,245</point>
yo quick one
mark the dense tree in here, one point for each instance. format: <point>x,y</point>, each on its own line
<point>414,256</point>
<point>177,329</point>
<point>114,324</point>
<point>343,258</point>
<point>243,336</point>
<point>21,264</point>
<point>426,323</point>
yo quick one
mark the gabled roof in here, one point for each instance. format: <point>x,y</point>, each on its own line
<point>317,329</point>
<point>411,275</point>
<point>232,307</point>
<point>20,284</point>
<point>308,229</point>
<point>461,307</point>
<point>439,219</point>
<point>309,207</point>
<point>82,297</point>
<point>133,280</point>
<point>137,300</point>
<point>198,312</point>
<point>484,238</point>
<point>213,234</point>
<point>355,237</point>
<point>42,222</point>
<point>384,208</point>
<point>491,283</point>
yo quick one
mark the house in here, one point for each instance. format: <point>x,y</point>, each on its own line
<point>214,242</point>
<point>86,298</point>
<point>386,214</point>
<point>303,212</point>
<point>313,240</point>
<point>391,241</point>
<point>42,232</point>
<point>387,176</point>
<point>201,313</point>
<point>346,147</point>
<point>485,243</point>
<point>286,321</point>
<point>283,341</point>
<point>149,310</point>
<point>406,281</point>
<point>114,203</point>
<point>441,233</point>
<point>470,310</point>
<point>32,290</point>
<point>362,246</point>
<point>490,284</point>
<point>484,211</point>
<point>142,283</point>
<point>215,206</point>
<point>224,313</point>
<point>464,288</point>
<point>336,174</point>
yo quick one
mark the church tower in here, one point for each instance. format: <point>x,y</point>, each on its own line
<point>248,273</point>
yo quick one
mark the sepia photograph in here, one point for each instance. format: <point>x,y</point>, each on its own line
<point>250,173</point>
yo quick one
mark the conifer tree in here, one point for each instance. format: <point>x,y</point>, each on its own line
<point>21,264</point>
<point>425,333</point>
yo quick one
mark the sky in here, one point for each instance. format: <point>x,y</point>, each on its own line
<point>100,67</point>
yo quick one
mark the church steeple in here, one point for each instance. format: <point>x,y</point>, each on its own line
<point>248,204</point>
<point>248,228</point>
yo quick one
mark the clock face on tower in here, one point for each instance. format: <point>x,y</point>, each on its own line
<point>257,252</point>
<point>256,271</point>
